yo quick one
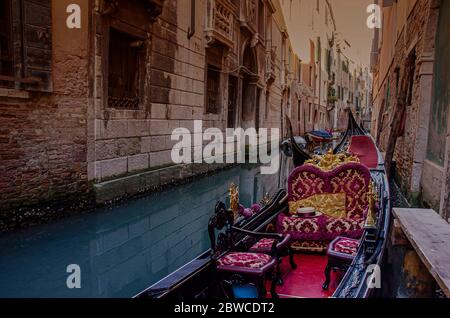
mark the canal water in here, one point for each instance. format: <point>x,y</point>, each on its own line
<point>124,249</point>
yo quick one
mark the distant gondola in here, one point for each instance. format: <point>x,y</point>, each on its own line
<point>234,267</point>
<point>299,156</point>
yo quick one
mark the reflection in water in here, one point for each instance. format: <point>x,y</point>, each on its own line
<point>123,250</point>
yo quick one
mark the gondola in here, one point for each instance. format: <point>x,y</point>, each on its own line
<point>267,253</point>
<point>299,155</point>
<point>319,136</point>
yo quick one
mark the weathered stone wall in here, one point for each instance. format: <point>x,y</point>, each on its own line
<point>413,171</point>
<point>58,144</point>
<point>43,135</point>
<point>136,141</point>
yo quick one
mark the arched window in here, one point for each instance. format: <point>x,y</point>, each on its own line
<point>6,52</point>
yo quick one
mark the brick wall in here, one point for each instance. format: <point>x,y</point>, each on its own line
<point>413,171</point>
<point>43,135</point>
<point>58,144</point>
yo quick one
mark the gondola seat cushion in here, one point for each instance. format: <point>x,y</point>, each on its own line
<point>249,263</point>
<point>309,185</point>
<point>265,245</point>
<point>343,248</point>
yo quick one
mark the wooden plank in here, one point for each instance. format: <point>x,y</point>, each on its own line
<point>429,234</point>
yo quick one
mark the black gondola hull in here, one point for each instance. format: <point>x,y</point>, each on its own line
<point>198,278</point>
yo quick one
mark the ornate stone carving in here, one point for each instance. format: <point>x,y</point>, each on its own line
<point>250,10</point>
<point>248,14</point>
<point>219,22</point>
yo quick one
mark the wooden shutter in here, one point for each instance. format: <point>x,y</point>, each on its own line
<point>32,23</point>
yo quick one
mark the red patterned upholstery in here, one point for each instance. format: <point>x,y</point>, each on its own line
<point>249,260</point>
<point>302,228</point>
<point>341,253</point>
<point>345,245</point>
<point>343,249</point>
<point>265,245</point>
<point>352,179</point>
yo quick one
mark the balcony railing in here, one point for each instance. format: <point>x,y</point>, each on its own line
<point>219,22</point>
<point>248,14</point>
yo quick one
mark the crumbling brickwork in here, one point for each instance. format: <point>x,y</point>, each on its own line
<point>412,35</point>
<point>43,134</point>
<point>100,120</point>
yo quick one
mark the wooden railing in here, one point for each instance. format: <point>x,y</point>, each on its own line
<point>423,238</point>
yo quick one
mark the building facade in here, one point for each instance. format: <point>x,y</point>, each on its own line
<point>88,111</point>
<point>415,31</point>
<point>329,81</point>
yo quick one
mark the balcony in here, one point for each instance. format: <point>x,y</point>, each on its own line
<point>219,22</point>
<point>271,56</point>
<point>248,15</point>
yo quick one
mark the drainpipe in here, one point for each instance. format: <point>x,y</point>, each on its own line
<point>191,29</point>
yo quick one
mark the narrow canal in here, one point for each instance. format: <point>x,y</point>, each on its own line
<point>125,249</point>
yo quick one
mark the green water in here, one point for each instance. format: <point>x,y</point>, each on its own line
<point>125,249</point>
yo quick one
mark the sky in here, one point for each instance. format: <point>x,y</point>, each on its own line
<point>350,16</point>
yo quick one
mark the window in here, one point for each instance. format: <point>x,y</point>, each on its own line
<point>25,49</point>
<point>299,110</point>
<point>267,103</point>
<point>213,90</point>
<point>310,112</point>
<point>124,70</point>
<point>6,55</point>
<point>412,71</point>
<point>261,22</point>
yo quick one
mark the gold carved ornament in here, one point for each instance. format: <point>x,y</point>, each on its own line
<point>330,204</point>
<point>265,200</point>
<point>233,192</point>
<point>330,161</point>
<point>371,215</point>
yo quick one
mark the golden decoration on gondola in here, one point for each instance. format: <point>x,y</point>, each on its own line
<point>371,215</point>
<point>265,200</point>
<point>233,192</point>
<point>330,161</point>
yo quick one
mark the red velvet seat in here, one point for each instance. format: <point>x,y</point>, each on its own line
<point>232,262</point>
<point>341,252</point>
<point>265,245</point>
<point>283,248</point>
<point>248,263</point>
<point>348,184</point>
<point>343,247</point>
